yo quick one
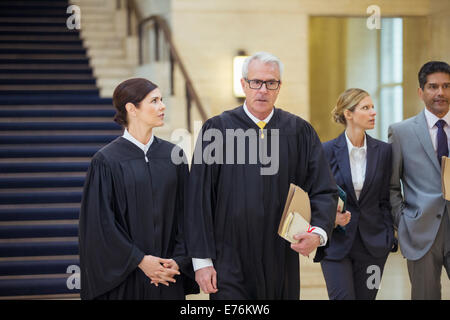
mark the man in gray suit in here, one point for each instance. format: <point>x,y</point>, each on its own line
<point>421,214</point>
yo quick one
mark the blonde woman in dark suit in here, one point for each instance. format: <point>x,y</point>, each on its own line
<point>361,166</point>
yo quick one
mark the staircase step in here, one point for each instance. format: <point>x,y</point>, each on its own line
<point>37,231</point>
<point>44,67</point>
<point>60,139</point>
<point>106,52</point>
<point>39,47</point>
<point>38,88</point>
<point>62,296</point>
<point>62,59</point>
<point>43,50</point>
<point>109,35</point>
<point>23,93</point>
<point>102,44</point>
<point>105,104</point>
<point>49,126</point>
<point>53,166</point>
<point>33,21</point>
<point>106,9</point>
<point>76,73</point>
<point>58,29</point>
<point>37,12</point>
<point>67,58</point>
<point>108,25</point>
<point>35,196</point>
<point>40,78</point>
<point>37,33</point>
<point>27,4</point>
<point>42,182</point>
<point>35,112</point>
<point>50,82</point>
<point>69,39</point>
<point>45,248</point>
<point>40,286</point>
<point>39,212</point>
<point>55,99</point>
<point>24,267</point>
<point>111,62</point>
<point>56,119</point>
<point>42,151</point>
<point>103,71</point>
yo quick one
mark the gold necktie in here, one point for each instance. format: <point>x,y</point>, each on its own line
<point>261,125</point>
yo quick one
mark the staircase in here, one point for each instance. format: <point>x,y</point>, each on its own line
<point>112,52</point>
<point>52,120</point>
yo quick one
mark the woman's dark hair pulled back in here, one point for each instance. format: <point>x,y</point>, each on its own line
<point>131,90</point>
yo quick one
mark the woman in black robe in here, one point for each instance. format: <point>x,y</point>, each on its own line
<point>131,218</point>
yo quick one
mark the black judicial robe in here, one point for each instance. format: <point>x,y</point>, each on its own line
<point>233,211</point>
<point>129,209</point>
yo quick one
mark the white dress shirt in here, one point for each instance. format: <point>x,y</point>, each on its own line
<point>255,119</point>
<point>432,129</point>
<point>358,161</point>
<point>143,147</point>
<point>203,263</point>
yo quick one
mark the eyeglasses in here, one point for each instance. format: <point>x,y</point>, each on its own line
<point>257,84</point>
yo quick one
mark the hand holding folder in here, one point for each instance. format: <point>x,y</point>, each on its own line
<point>341,207</point>
<point>445,177</point>
<point>296,214</point>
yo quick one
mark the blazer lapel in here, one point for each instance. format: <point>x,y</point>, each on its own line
<point>343,161</point>
<point>423,134</point>
<point>371,164</point>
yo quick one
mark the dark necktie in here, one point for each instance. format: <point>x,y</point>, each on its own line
<point>442,143</point>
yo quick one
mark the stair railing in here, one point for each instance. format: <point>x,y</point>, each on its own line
<point>153,27</point>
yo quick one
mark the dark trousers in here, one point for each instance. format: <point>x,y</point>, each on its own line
<point>425,273</point>
<point>356,277</point>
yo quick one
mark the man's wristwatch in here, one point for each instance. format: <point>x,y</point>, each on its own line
<point>322,240</point>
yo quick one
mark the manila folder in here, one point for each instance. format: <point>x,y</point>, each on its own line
<point>296,214</point>
<point>445,177</point>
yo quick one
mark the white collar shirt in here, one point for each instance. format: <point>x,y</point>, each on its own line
<point>140,145</point>
<point>255,119</point>
<point>358,161</point>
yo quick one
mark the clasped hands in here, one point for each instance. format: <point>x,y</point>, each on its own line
<point>159,270</point>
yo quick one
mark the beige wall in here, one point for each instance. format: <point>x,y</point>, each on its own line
<point>327,72</point>
<point>425,38</point>
<point>415,44</point>
<point>439,30</point>
<point>209,33</point>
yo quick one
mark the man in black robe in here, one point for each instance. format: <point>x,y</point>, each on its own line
<point>238,186</point>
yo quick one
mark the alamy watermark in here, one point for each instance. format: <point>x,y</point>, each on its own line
<point>73,281</point>
<point>74,20</point>
<point>235,146</point>
<point>374,280</point>
<point>374,21</point>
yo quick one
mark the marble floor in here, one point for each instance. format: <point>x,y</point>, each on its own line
<point>394,284</point>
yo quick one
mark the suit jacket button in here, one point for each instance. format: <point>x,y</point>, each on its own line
<point>439,216</point>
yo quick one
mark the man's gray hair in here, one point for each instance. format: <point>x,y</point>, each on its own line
<point>263,57</point>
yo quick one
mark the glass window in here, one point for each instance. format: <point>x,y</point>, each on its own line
<point>390,108</point>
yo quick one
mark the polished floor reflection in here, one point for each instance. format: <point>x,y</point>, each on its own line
<point>394,284</point>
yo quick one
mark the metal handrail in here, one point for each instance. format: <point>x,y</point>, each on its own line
<point>160,24</point>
